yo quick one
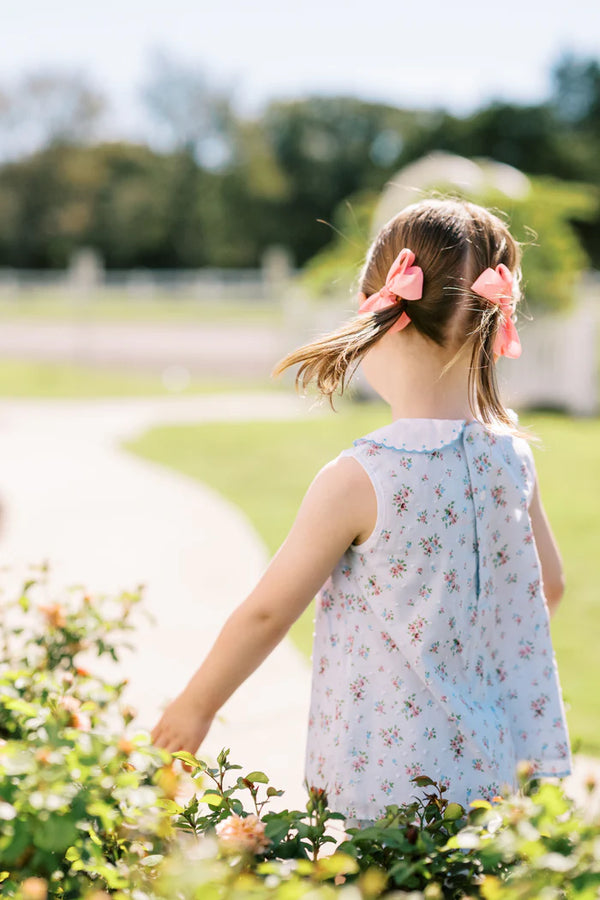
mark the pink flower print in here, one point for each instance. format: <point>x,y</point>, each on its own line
<point>323,663</point>
<point>390,736</point>
<point>374,588</point>
<point>385,535</point>
<point>320,766</point>
<point>561,749</point>
<point>386,786</point>
<point>478,764</point>
<point>400,499</point>
<point>388,642</point>
<point>339,712</point>
<point>430,546</point>
<point>430,734</point>
<point>436,454</point>
<point>413,770</point>
<point>327,601</point>
<point>442,670</point>
<point>422,517</point>
<point>411,709</point>
<point>433,648</point>
<point>425,592</point>
<point>469,491</point>
<point>360,760</point>
<point>373,449</point>
<point>498,493</point>
<point>450,581</point>
<point>538,705</point>
<point>415,629</point>
<point>511,578</point>
<point>479,667</point>
<point>533,589</point>
<point>450,517</point>
<point>482,463</point>
<point>500,557</point>
<point>452,623</point>
<point>398,567</point>
<point>388,614</point>
<point>456,647</point>
<point>379,706</point>
<point>525,649</point>
<point>349,644</point>
<point>439,490</point>
<point>528,539</point>
<point>357,688</point>
<point>397,682</point>
<point>405,462</point>
<point>457,744</point>
<point>363,651</point>
<point>346,571</point>
<point>453,718</point>
<point>333,640</point>
<point>325,722</point>
<point>501,673</point>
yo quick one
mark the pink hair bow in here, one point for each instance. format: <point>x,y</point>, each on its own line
<point>496,285</point>
<point>404,281</point>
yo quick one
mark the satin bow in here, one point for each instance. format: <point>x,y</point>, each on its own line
<point>404,281</point>
<point>496,285</point>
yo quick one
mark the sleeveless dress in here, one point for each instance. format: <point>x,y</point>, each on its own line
<point>432,652</point>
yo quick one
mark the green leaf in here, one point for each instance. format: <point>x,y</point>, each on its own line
<point>152,860</point>
<point>169,805</point>
<point>453,811</point>
<point>212,799</point>
<point>259,777</point>
<point>189,758</point>
<point>422,780</point>
<point>72,853</point>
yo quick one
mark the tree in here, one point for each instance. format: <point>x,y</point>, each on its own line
<point>47,107</point>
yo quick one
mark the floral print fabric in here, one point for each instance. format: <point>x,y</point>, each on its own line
<point>432,651</point>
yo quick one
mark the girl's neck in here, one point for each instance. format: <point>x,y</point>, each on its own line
<point>408,372</point>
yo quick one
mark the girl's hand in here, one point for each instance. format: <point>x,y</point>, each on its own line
<point>182,726</point>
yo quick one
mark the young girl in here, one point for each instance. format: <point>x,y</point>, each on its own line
<point>426,542</point>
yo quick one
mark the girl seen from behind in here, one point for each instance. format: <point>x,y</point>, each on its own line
<point>426,543</point>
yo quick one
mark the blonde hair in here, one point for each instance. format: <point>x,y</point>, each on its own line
<point>453,240</point>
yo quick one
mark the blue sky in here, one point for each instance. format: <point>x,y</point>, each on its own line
<point>455,54</point>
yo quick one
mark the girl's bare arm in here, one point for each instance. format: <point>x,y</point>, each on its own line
<point>550,559</point>
<point>339,507</point>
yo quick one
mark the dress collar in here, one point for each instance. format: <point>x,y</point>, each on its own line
<point>417,434</point>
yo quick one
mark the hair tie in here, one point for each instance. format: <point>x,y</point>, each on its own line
<point>496,286</point>
<point>404,282</point>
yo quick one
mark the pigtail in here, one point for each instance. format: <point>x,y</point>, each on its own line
<point>331,360</point>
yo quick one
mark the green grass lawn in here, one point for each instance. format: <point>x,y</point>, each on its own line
<point>265,468</point>
<point>21,378</point>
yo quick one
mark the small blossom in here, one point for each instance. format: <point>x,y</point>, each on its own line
<point>243,835</point>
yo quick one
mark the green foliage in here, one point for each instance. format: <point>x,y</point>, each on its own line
<point>86,813</point>
<point>543,221</point>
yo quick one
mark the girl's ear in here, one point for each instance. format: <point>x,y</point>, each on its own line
<point>362,297</point>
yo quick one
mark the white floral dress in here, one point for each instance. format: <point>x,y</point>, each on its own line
<point>432,650</point>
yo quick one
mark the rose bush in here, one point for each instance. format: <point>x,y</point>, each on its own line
<point>89,812</point>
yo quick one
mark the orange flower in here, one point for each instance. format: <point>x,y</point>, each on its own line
<point>81,671</point>
<point>169,781</point>
<point>55,614</point>
<point>243,835</point>
<point>126,746</point>
<point>43,755</point>
<point>77,719</point>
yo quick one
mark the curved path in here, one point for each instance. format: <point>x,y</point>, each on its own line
<point>109,520</point>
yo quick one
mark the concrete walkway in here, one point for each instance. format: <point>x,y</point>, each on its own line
<point>110,521</point>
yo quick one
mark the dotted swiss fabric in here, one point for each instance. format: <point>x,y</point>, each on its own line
<point>432,651</point>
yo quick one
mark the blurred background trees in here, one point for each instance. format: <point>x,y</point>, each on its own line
<point>210,188</point>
